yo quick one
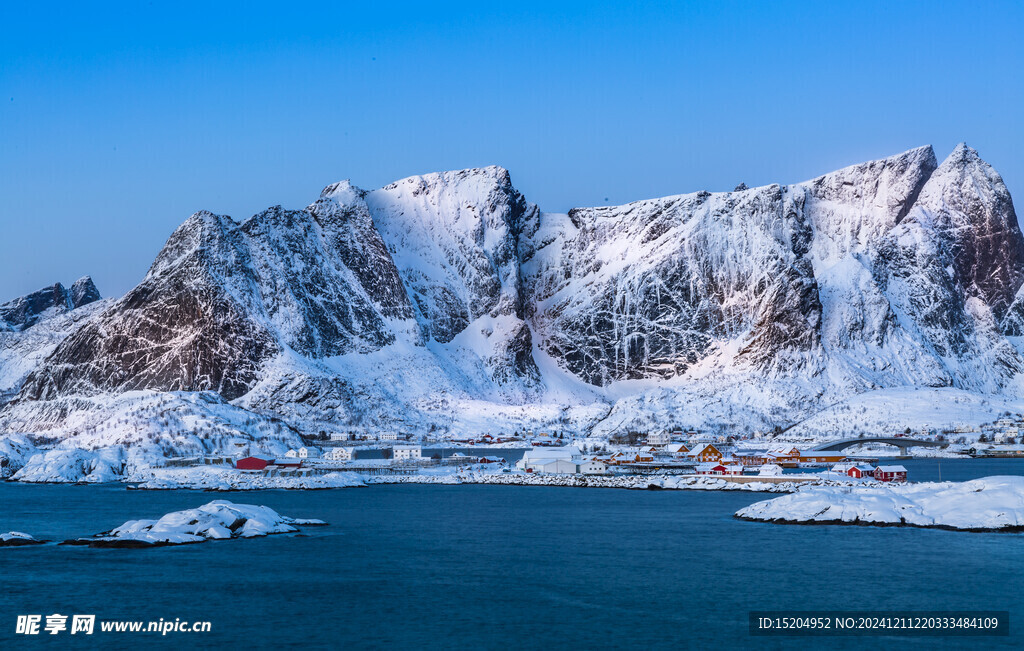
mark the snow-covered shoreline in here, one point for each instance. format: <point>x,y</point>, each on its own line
<point>987,504</point>
<point>220,478</point>
<point>630,482</point>
<point>213,478</point>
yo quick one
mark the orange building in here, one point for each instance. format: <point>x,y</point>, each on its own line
<point>705,453</point>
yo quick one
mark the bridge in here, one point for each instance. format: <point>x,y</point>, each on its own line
<point>902,443</point>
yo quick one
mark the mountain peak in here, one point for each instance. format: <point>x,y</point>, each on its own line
<point>344,192</point>
<point>964,156</point>
<point>84,291</point>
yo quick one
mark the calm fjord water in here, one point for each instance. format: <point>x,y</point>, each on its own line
<point>420,566</point>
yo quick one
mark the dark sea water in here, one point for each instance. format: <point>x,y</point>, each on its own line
<point>481,567</point>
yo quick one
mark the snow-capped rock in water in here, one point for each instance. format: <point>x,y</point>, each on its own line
<point>18,539</point>
<point>990,503</point>
<point>218,520</point>
<point>448,302</point>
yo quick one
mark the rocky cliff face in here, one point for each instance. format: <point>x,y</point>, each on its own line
<point>893,273</point>
<point>645,290</point>
<point>222,298</point>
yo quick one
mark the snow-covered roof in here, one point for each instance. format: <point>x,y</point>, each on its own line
<point>709,466</point>
<point>701,448</point>
<point>548,462</point>
<point>892,468</point>
<point>533,455</point>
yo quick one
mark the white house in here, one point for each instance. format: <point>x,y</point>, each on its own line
<point>407,452</point>
<point>1007,433</point>
<point>341,454</point>
<point>556,466</point>
<point>388,436</point>
<point>769,470</point>
<point>591,467</point>
<point>535,458</point>
<point>309,453</point>
<point>292,454</point>
<point>659,438</point>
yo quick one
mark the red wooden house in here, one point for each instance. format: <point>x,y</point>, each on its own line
<point>859,472</point>
<point>891,473</point>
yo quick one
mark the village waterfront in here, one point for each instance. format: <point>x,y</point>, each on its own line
<point>477,566</point>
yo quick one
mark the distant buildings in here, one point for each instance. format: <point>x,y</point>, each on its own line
<point>787,456</point>
<point>855,470</point>
<point>643,455</point>
<point>817,456</point>
<point>713,468</point>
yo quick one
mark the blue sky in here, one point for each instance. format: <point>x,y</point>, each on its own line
<point>117,124</point>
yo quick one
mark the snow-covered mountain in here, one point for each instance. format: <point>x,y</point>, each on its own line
<point>449,302</point>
